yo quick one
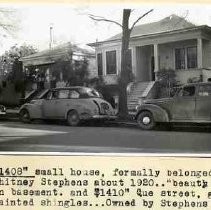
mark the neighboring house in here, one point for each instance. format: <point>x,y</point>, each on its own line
<point>171,43</point>
<point>46,61</point>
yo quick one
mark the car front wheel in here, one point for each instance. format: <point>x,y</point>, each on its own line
<point>145,120</point>
<point>24,116</point>
<point>73,118</point>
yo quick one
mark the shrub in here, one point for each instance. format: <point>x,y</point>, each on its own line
<point>166,79</point>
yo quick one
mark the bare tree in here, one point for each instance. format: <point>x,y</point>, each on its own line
<point>9,22</point>
<point>124,75</point>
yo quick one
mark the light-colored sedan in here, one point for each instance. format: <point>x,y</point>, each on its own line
<point>72,104</point>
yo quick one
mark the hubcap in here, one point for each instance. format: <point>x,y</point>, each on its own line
<point>146,120</point>
<point>73,118</point>
<point>25,116</point>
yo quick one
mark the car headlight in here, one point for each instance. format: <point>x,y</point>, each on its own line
<point>140,101</point>
<point>2,108</point>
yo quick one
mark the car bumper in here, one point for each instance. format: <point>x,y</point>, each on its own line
<point>2,113</point>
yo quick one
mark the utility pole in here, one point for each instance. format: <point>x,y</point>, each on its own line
<point>51,36</point>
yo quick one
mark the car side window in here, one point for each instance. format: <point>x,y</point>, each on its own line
<point>74,94</point>
<point>187,91</point>
<point>63,94</point>
<point>204,90</point>
<point>52,95</point>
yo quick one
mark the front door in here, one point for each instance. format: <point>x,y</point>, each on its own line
<point>184,104</point>
<point>152,68</point>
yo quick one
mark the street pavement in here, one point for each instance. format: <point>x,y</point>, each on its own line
<point>109,138</point>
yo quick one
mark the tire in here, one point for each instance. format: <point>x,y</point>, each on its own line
<point>145,120</point>
<point>24,116</point>
<point>73,118</point>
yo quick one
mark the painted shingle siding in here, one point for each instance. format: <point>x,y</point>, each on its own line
<point>92,68</point>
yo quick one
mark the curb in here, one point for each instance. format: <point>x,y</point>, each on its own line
<point>124,123</point>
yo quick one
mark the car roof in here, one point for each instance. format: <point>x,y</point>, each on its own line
<point>197,83</point>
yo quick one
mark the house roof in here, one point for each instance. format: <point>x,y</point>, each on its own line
<point>169,24</point>
<point>60,52</point>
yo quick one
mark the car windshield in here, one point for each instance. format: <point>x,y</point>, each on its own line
<point>89,93</point>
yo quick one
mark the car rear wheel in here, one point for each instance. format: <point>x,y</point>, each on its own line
<point>145,120</point>
<point>24,116</point>
<point>73,118</point>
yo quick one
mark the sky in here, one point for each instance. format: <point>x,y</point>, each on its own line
<point>71,23</point>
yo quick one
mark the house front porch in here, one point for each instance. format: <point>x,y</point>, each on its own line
<point>188,58</point>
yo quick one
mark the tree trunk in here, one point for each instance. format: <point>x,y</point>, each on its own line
<point>124,75</point>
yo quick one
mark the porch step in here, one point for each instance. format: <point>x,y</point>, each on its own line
<point>138,90</point>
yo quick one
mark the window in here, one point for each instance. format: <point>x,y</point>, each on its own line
<point>187,91</point>
<point>192,57</point>
<point>180,58</point>
<point>111,62</point>
<point>205,90</point>
<point>63,94</point>
<point>74,94</point>
<point>100,64</point>
<point>186,58</point>
<point>88,93</point>
<point>52,95</point>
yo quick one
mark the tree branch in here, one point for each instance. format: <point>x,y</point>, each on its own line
<point>145,14</point>
<point>99,18</point>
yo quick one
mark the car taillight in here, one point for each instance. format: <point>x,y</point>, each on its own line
<point>104,108</point>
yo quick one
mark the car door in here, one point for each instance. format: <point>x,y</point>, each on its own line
<point>62,103</point>
<point>203,102</point>
<point>49,104</point>
<point>184,104</point>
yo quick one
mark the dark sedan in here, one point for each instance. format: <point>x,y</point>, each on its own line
<point>191,103</point>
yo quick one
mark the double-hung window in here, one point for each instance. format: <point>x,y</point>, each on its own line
<point>186,58</point>
<point>100,64</point>
<point>191,57</point>
<point>111,62</point>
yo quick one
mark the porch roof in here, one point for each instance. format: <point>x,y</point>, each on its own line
<point>168,25</point>
<point>50,56</point>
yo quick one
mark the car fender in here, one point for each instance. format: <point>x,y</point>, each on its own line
<point>34,110</point>
<point>159,114</point>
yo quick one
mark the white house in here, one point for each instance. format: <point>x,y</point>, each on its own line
<point>171,43</point>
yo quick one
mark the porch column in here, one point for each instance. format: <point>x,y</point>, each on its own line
<point>104,62</point>
<point>156,57</point>
<point>134,65</point>
<point>61,76</point>
<point>199,53</point>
